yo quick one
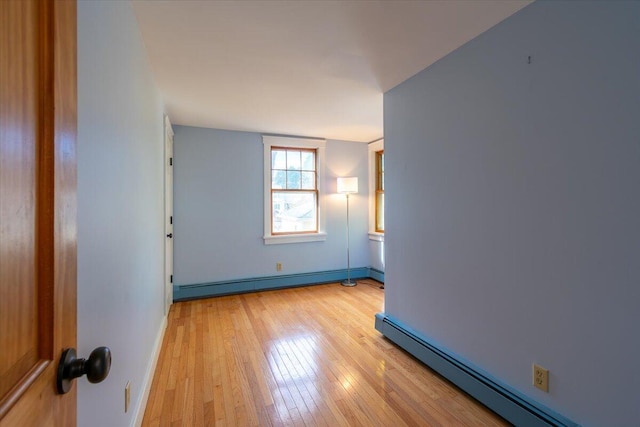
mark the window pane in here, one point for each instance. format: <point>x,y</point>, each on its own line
<point>294,211</point>
<point>278,179</point>
<point>308,161</point>
<point>278,159</point>
<point>308,180</point>
<point>382,171</point>
<point>380,212</point>
<point>293,180</point>
<point>293,160</point>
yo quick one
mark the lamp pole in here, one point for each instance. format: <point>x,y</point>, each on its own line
<point>348,282</point>
<point>347,186</point>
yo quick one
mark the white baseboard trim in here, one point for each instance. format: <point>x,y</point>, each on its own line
<point>148,376</point>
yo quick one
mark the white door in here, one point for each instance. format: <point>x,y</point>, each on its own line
<point>168,214</point>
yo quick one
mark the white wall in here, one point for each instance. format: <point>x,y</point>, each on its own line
<point>120,207</point>
<point>376,254</point>
<point>218,210</point>
<point>513,205</point>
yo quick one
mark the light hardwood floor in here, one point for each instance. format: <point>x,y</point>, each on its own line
<point>302,357</point>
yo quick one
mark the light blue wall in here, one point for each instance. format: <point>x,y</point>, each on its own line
<point>513,207</point>
<point>218,210</point>
<point>120,208</point>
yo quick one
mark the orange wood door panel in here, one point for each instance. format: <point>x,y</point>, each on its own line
<point>37,208</point>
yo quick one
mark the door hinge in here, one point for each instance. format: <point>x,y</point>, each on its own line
<point>171,279</point>
<point>171,219</point>
<point>170,161</point>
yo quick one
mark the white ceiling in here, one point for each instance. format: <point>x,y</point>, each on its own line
<point>306,68</point>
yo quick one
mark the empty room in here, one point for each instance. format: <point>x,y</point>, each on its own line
<point>320,213</point>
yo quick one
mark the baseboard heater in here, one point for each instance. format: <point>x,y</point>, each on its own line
<point>230,287</point>
<point>505,402</point>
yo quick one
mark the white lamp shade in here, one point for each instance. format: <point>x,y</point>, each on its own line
<point>348,185</point>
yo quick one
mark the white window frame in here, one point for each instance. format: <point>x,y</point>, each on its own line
<point>290,142</point>
<point>374,147</point>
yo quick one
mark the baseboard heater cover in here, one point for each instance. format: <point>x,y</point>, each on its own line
<point>507,403</point>
<point>211,289</point>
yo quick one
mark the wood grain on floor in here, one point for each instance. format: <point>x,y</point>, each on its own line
<point>306,356</point>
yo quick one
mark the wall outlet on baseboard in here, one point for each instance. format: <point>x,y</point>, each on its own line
<point>541,378</point>
<point>278,266</point>
<point>127,396</point>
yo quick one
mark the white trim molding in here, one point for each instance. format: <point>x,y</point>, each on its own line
<point>284,141</point>
<point>375,236</point>
<point>148,376</point>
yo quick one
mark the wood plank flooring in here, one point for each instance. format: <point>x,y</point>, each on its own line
<point>306,356</point>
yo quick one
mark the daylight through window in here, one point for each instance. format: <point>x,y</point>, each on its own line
<point>380,191</point>
<point>294,192</point>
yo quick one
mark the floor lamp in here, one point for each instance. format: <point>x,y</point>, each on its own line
<point>346,186</point>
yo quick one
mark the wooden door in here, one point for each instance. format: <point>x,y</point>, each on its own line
<point>37,208</point>
<point>168,215</point>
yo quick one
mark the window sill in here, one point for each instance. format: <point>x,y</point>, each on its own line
<point>294,238</point>
<point>376,237</point>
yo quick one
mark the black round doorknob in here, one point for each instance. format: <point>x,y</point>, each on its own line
<point>96,368</point>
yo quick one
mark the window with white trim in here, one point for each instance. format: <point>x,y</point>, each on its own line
<point>379,202</point>
<point>293,193</point>
<point>376,190</point>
